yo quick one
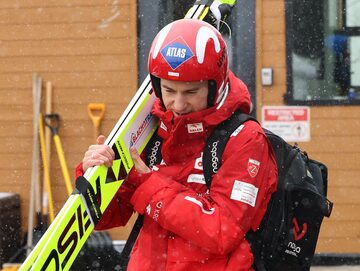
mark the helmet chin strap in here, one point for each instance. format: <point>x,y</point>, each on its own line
<point>155,81</point>
<point>223,95</point>
<point>211,93</point>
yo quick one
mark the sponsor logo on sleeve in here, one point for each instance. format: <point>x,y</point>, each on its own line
<point>253,167</point>
<point>148,209</point>
<point>158,207</point>
<point>244,192</point>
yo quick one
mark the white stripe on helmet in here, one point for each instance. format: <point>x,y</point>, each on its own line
<point>162,35</point>
<point>204,34</point>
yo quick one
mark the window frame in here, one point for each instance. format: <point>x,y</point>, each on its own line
<point>349,28</point>
<point>288,96</point>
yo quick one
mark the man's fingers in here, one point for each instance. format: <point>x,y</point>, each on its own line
<point>98,154</point>
<point>110,152</point>
<point>105,151</point>
<point>100,140</point>
<point>135,157</point>
<point>139,164</point>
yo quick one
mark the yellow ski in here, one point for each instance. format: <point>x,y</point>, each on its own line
<point>67,234</point>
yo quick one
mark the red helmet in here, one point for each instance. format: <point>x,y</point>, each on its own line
<point>190,50</point>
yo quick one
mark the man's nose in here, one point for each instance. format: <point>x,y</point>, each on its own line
<point>179,103</point>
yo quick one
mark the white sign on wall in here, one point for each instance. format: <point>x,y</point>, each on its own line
<point>292,123</point>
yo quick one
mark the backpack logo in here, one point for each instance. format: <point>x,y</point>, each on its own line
<point>253,167</point>
<point>299,233</point>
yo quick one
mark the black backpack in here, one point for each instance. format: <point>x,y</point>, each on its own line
<point>287,236</point>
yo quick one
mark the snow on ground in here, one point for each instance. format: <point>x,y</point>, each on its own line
<point>336,268</point>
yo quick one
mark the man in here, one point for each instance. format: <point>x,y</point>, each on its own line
<point>187,227</point>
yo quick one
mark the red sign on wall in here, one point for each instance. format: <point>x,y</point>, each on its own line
<point>292,123</point>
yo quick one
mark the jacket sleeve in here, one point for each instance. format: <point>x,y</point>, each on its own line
<point>237,201</point>
<point>119,209</point>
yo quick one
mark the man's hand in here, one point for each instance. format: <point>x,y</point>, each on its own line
<point>139,164</point>
<point>98,154</point>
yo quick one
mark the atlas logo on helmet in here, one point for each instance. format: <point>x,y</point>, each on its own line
<point>176,53</point>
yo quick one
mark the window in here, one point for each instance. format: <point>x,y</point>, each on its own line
<point>323,51</point>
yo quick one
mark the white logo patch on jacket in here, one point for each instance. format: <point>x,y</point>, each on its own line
<point>163,126</point>
<point>244,192</point>
<point>199,163</point>
<point>196,178</point>
<point>200,204</point>
<point>148,209</point>
<point>195,128</point>
<point>238,130</point>
<point>253,167</point>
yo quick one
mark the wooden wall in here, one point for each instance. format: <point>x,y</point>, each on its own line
<point>335,134</point>
<point>88,50</point>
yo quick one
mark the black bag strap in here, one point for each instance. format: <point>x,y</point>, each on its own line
<point>152,157</point>
<point>153,150</point>
<point>216,142</point>
<point>125,253</point>
<point>215,146</point>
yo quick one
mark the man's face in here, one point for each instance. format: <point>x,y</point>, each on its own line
<point>184,97</point>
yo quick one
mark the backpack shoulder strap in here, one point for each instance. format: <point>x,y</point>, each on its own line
<point>125,253</point>
<point>216,142</point>
<point>152,157</point>
<point>153,150</point>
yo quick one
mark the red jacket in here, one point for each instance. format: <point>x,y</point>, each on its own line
<point>186,228</point>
